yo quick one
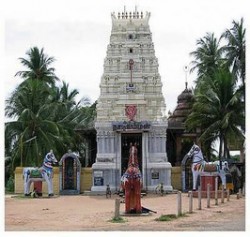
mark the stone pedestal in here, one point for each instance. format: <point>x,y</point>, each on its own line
<point>104,174</point>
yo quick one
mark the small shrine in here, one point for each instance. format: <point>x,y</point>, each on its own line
<point>69,174</point>
<point>180,140</point>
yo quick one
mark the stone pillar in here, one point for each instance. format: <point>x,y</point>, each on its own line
<point>106,168</point>
<point>158,168</point>
<point>145,160</point>
<point>87,157</point>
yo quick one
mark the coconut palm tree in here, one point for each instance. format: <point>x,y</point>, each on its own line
<point>68,113</point>
<point>43,116</point>
<point>38,66</point>
<point>34,132</point>
<point>207,56</point>
<point>63,100</point>
<point>218,109</point>
<point>236,49</point>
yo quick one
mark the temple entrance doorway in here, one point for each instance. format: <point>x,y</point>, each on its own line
<point>126,139</point>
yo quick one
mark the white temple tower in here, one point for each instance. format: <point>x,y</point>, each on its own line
<point>131,107</point>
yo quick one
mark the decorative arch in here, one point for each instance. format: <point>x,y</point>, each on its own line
<point>69,174</point>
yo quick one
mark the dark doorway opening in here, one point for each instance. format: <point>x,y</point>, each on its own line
<point>188,175</point>
<point>69,174</point>
<point>126,139</point>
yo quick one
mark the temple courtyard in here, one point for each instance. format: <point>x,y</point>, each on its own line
<point>94,213</point>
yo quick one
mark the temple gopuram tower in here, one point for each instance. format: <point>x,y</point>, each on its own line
<point>131,107</point>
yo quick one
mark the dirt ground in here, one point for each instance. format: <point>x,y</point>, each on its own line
<point>93,213</point>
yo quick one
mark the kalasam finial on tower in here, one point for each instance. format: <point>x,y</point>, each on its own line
<point>186,71</point>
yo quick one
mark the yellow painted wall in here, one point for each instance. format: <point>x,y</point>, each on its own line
<point>176,177</point>
<point>19,187</point>
<point>86,180</point>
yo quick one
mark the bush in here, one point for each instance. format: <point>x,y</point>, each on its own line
<point>10,186</point>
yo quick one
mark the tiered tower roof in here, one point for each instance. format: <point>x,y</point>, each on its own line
<point>182,110</point>
<point>130,74</point>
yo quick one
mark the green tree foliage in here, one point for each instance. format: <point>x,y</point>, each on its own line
<point>219,108</point>
<point>33,131</point>
<point>43,116</point>
<point>38,66</point>
<point>236,49</point>
<point>207,56</point>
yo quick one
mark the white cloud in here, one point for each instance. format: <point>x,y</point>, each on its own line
<point>77,33</point>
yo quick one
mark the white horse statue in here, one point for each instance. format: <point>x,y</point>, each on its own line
<point>200,166</point>
<point>44,173</point>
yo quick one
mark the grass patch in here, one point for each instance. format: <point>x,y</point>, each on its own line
<point>170,217</point>
<point>117,220</point>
